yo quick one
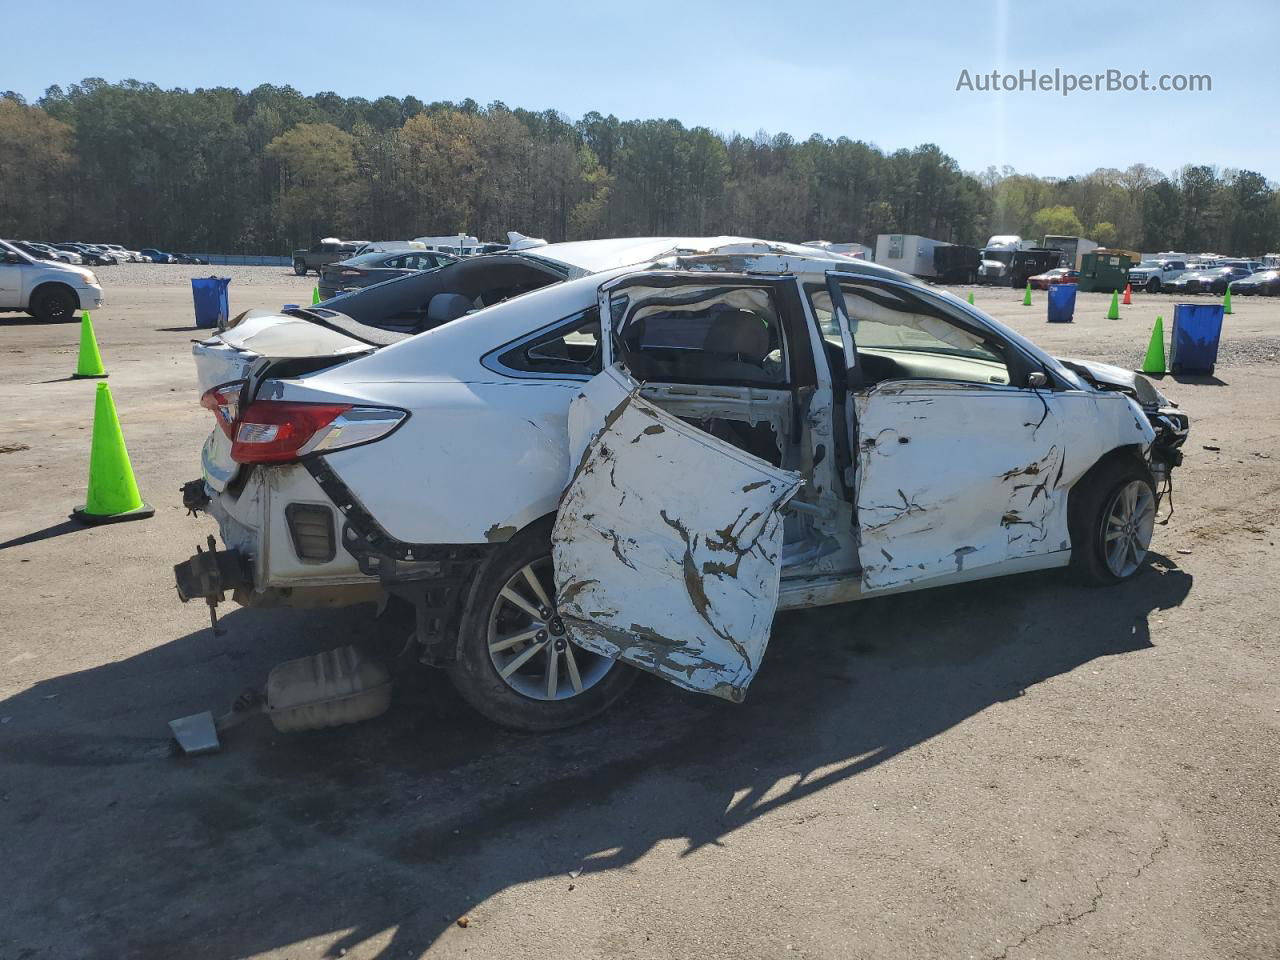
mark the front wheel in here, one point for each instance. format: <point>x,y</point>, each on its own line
<point>1112,518</point>
<point>53,306</point>
<point>1153,285</point>
<point>300,267</point>
<point>516,664</point>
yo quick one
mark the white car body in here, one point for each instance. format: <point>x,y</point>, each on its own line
<point>23,279</point>
<point>944,454</point>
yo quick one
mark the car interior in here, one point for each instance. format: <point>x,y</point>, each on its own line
<point>901,336</point>
<point>415,302</point>
<point>714,337</point>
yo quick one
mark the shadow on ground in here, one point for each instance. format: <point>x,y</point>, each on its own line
<point>407,822</point>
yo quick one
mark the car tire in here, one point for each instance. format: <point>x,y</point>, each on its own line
<point>1117,495</point>
<point>54,304</point>
<point>475,671</point>
<point>1153,285</point>
<point>300,267</point>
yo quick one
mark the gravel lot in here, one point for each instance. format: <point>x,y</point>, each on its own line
<point>1013,769</point>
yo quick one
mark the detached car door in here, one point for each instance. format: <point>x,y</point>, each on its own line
<point>668,544</point>
<point>958,453</point>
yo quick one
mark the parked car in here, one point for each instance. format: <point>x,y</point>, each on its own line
<point>64,256</point>
<point>1151,275</point>
<point>521,475</point>
<point>370,268</point>
<point>46,289</point>
<point>157,256</point>
<point>1264,283</point>
<point>192,259</point>
<point>42,251</point>
<point>87,254</point>
<point>124,254</point>
<point>329,250</point>
<point>1214,280</point>
<point>1050,278</point>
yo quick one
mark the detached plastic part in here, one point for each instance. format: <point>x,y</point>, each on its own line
<point>327,690</point>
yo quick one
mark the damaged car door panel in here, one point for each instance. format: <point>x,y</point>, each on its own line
<point>674,451</point>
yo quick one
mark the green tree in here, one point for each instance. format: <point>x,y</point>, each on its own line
<point>1057,220</point>
<point>318,182</point>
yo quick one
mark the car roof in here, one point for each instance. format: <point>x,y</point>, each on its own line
<point>581,257</point>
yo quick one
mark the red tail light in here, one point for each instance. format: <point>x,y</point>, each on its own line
<point>349,272</point>
<point>224,401</point>
<point>279,431</point>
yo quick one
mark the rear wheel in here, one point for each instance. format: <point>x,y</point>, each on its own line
<point>300,267</point>
<point>516,664</point>
<point>54,304</point>
<point>1113,516</point>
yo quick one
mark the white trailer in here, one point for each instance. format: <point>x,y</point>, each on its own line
<point>1073,249</point>
<point>909,253</point>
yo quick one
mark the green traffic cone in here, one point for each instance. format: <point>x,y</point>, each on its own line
<point>315,295</point>
<point>113,493</point>
<point>89,364</point>
<point>1114,312</point>
<point>1026,296</point>
<point>1154,361</point>
<point>971,298</point>
<point>1226,301</point>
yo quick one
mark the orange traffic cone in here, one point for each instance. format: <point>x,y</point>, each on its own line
<point>1128,295</point>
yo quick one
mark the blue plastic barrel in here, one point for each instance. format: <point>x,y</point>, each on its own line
<point>1197,329</point>
<point>1062,302</point>
<point>210,296</point>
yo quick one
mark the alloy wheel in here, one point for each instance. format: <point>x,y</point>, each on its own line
<point>1127,528</point>
<point>528,644</point>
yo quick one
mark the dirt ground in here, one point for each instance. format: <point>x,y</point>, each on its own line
<point>1014,769</point>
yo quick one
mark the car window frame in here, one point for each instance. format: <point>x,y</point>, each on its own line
<point>492,360</point>
<point>1020,362</point>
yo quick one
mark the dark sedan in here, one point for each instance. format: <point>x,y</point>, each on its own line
<point>157,256</point>
<point>1264,283</point>
<point>1206,281</point>
<point>370,268</point>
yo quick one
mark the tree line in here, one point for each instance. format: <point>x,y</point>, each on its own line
<point>270,169</point>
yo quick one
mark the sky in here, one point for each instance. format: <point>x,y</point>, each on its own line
<point>886,73</point>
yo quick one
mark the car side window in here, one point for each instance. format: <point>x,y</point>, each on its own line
<point>571,347</point>
<point>395,262</point>
<point>704,336</point>
<point>901,335</point>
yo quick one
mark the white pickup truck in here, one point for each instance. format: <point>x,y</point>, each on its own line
<point>1151,275</point>
<point>46,289</point>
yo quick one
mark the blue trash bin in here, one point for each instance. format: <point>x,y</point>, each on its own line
<point>1062,302</point>
<point>210,296</point>
<point>1197,329</point>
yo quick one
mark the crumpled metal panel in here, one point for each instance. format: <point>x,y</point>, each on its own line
<point>667,542</point>
<point>955,476</point>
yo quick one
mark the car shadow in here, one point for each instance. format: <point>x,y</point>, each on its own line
<point>397,827</point>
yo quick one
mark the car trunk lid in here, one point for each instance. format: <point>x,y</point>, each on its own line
<point>261,345</point>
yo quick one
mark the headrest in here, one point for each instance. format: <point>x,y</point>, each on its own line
<point>739,332</point>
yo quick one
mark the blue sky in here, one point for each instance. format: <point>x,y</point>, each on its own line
<point>885,73</point>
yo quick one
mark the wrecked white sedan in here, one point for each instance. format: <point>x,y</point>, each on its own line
<point>641,465</point>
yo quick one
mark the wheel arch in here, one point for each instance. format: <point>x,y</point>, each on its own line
<point>1075,495</point>
<point>48,286</point>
